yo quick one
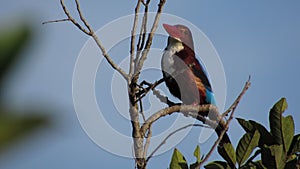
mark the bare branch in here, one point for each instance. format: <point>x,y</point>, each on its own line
<point>54,21</point>
<point>211,108</point>
<point>146,147</point>
<point>90,32</point>
<point>107,57</point>
<point>171,134</point>
<point>133,36</point>
<point>82,17</point>
<point>235,103</point>
<point>144,92</point>
<point>142,110</point>
<point>247,85</point>
<point>62,2</point>
<point>150,37</point>
<point>187,110</point>
<point>143,30</point>
<point>142,1</point>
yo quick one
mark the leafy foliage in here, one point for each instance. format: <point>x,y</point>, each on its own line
<point>12,125</point>
<point>246,145</point>
<point>178,160</point>
<point>12,42</point>
<point>228,154</point>
<point>278,148</point>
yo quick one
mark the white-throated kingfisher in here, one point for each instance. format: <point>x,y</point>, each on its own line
<point>184,75</point>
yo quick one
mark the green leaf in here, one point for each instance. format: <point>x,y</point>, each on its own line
<point>253,165</point>
<point>12,41</point>
<point>217,165</point>
<point>247,126</point>
<point>291,162</point>
<point>275,118</point>
<point>295,146</point>
<point>288,129</point>
<point>228,153</point>
<point>265,137</point>
<point>197,155</point>
<point>12,127</point>
<point>282,128</point>
<point>178,161</point>
<point>291,158</point>
<point>246,145</point>
<point>273,156</point>
<point>251,126</point>
<point>258,165</point>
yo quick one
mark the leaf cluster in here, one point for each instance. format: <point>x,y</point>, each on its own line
<point>258,148</point>
<point>13,125</point>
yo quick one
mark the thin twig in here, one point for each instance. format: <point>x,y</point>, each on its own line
<point>54,21</point>
<point>150,37</point>
<point>198,116</point>
<point>150,87</point>
<point>143,30</point>
<point>142,110</point>
<point>234,104</point>
<point>147,144</point>
<point>188,110</point>
<point>133,36</point>
<point>247,85</point>
<point>82,17</point>
<point>172,133</point>
<point>91,33</point>
<point>62,2</point>
<point>108,58</point>
<point>142,1</point>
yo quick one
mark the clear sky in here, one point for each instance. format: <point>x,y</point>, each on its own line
<point>257,38</point>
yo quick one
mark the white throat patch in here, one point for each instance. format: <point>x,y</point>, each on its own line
<point>168,58</point>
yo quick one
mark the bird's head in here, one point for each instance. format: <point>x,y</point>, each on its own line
<point>180,33</point>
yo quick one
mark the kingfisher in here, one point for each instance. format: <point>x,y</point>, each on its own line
<point>184,76</point>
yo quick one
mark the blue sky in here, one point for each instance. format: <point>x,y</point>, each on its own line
<point>257,38</point>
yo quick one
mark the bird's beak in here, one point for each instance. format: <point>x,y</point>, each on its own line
<point>173,31</point>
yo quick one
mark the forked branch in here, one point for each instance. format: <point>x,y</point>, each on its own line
<point>88,31</point>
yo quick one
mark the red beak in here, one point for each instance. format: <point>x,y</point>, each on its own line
<point>172,31</point>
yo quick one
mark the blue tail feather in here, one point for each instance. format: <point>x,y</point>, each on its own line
<point>210,97</point>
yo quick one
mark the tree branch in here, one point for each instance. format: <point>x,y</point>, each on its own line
<point>62,2</point>
<point>143,30</point>
<point>90,32</point>
<point>133,36</point>
<point>187,110</point>
<point>150,87</point>
<point>148,139</point>
<point>237,100</point>
<point>82,17</point>
<point>108,58</point>
<point>171,134</point>
<point>150,37</point>
<point>232,109</point>
<point>58,20</point>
